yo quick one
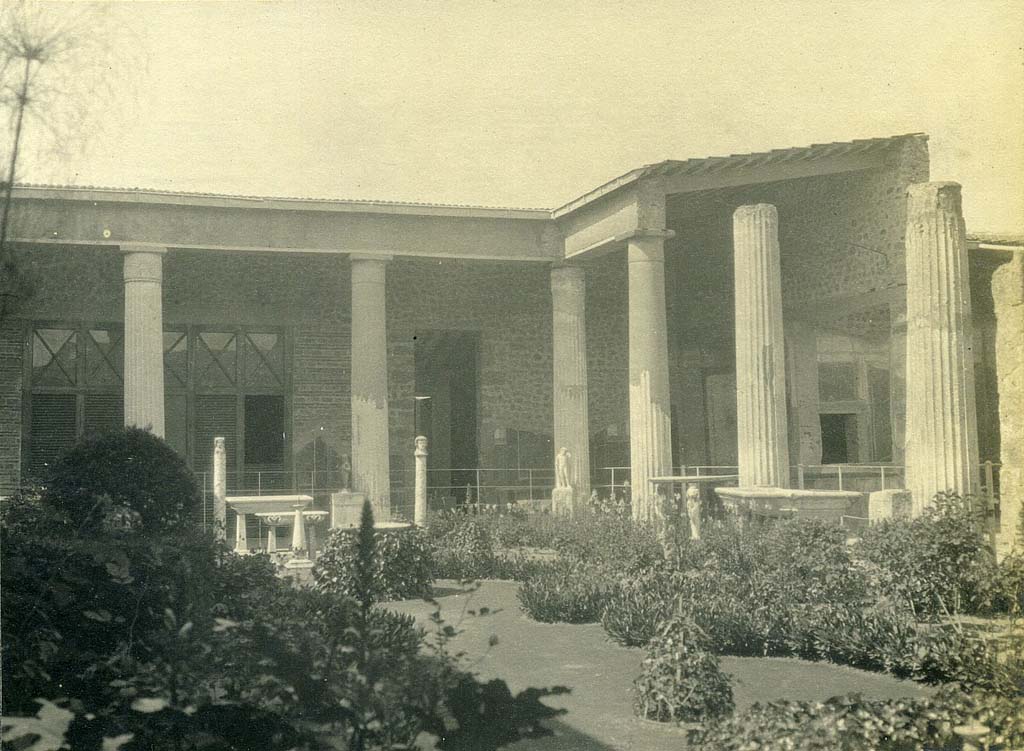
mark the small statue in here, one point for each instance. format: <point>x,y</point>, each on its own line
<point>693,509</point>
<point>346,472</point>
<point>563,468</point>
<point>469,495</point>
<point>594,501</point>
<point>668,525</point>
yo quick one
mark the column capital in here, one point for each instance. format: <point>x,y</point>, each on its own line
<point>934,196</point>
<point>143,263</point>
<point>129,247</point>
<point>757,211</point>
<point>568,276</point>
<point>381,258</point>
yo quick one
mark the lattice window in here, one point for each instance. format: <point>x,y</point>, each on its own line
<point>104,357</point>
<point>54,357</point>
<point>175,360</point>
<point>216,360</point>
<point>264,361</point>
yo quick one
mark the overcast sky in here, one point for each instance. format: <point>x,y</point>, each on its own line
<point>532,103</point>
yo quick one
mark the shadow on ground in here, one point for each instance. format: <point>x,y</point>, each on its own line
<point>591,706</point>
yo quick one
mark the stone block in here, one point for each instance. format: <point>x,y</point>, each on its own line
<point>889,504</point>
<point>346,508</point>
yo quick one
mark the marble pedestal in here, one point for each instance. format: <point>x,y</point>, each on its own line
<point>346,508</point>
<point>562,500</point>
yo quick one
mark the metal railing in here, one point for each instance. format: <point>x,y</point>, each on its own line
<point>448,487</point>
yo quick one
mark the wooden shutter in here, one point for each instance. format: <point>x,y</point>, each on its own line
<point>216,415</point>
<point>103,413</point>
<point>52,429</point>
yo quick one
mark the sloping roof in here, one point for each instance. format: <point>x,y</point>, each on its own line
<point>100,192</point>
<point>708,165</point>
<point>995,238</point>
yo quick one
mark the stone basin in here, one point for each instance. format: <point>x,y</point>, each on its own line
<point>820,504</point>
<point>267,504</point>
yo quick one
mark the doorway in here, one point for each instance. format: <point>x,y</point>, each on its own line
<point>839,439</point>
<point>447,387</point>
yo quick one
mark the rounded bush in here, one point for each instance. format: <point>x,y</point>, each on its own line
<point>636,605</point>
<point>402,561</point>
<point>131,477</point>
<point>681,680</point>
<point>562,593</point>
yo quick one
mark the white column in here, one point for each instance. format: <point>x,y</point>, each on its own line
<point>370,447</point>
<point>569,350</point>
<point>941,424</point>
<point>420,496</point>
<point>650,416</point>
<point>241,537</point>
<point>220,489</point>
<point>143,338</point>
<point>299,547</point>
<point>763,445</point>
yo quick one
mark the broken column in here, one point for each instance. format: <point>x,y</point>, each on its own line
<point>650,423</point>
<point>420,494</point>
<point>941,445</point>
<point>220,489</point>
<point>371,462</point>
<point>569,350</point>
<point>761,428</point>
<point>1008,297</point>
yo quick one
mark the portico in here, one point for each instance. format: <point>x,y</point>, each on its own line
<point>737,311</point>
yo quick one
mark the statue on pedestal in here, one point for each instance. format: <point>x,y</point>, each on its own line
<point>693,509</point>
<point>346,472</point>
<point>563,468</point>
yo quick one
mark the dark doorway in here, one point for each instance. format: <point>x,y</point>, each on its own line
<point>447,373</point>
<point>839,438</point>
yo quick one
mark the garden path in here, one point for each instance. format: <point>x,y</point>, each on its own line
<point>598,712</point>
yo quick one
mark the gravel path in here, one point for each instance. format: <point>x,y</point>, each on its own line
<point>599,674</point>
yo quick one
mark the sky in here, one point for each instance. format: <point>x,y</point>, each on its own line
<point>530,104</point>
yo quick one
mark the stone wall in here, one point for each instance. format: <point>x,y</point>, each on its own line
<point>509,306</point>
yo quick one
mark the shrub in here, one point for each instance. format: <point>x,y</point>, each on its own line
<point>463,551</point>
<point>934,563</point>
<point>681,680</point>
<point>853,724</point>
<point>619,545</point>
<point>402,565</point>
<point>132,470</point>
<point>563,593</point>
<point>635,605</point>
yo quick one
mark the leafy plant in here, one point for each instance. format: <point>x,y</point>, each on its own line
<point>854,724</point>
<point>375,565</point>
<point>636,605</point>
<point>563,592</point>
<point>681,680</point>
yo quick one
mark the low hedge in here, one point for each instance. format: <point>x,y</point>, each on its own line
<point>852,724</point>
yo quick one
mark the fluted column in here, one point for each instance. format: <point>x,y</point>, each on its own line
<point>370,448</point>
<point>650,416</point>
<point>143,338</point>
<point>761,428</point>
<point>941,423</point>
<point>569,349</point>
